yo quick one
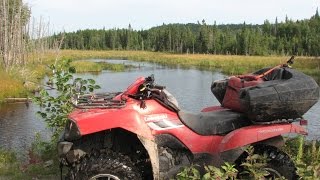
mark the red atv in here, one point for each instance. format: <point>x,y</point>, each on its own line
<point>142,133</point>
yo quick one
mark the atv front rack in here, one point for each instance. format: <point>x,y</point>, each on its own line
<point>99,101</point>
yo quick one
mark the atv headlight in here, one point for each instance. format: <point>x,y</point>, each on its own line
<point>71,132</point>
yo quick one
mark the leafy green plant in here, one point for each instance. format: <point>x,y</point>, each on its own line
<point>43,149</point>
<point>254,165</point>
<point>189,173</point>
<point>227,171</point>
<point>55,106</point>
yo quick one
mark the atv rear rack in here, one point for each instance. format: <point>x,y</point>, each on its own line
<point>99,101</point>
<point>277,121</point>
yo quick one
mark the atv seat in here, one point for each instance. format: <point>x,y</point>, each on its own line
<point>215,122</point>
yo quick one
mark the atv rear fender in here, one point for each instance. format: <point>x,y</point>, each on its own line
<point>257,133</point>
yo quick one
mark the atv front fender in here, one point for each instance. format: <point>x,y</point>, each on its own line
<point>92,121</point>
<point>257,133</point>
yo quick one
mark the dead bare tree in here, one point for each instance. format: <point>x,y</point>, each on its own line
<point>57,46</point>
<point>4,33</point>
<point>20,37</point>
<point>38,32</point>
<point>14,17</point>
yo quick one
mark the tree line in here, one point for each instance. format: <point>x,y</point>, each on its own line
<point>290,37</point>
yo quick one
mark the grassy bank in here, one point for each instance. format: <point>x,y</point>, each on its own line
<point>87,66</point>
<point>10,86</point>
<point>14,84</point>
<point>42,163</point>
<point>227,64</point>
<point>21,81</point>
<point>12,168</point>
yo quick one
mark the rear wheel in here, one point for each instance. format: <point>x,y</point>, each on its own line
<point>279,164</point>
<point>106,165</point>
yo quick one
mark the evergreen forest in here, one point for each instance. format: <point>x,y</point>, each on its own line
<point>300,37</point>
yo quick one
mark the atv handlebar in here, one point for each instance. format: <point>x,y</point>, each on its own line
<point>159,87</point>
<point>144,87</point>
<point>150,83</point>
<point>150,79</point>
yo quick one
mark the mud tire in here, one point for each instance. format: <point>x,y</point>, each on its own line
<point>279,161</point>
<point>107,162</point>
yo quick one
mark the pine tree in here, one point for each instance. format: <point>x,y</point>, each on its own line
<point>317,14</point>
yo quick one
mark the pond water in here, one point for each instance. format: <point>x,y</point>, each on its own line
<point>19,125</point>
<point>191,87</point>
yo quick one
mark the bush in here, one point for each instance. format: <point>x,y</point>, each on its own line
<point>55,107</point>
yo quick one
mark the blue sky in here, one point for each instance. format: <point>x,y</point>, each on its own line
<point>71,15</point>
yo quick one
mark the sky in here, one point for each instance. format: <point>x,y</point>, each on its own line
<point>72,15</point>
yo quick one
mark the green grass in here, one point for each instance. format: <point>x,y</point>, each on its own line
<point>90,66</point>
<point>306,156</point>
<point>20,81</point>
<point>39,154</point>
<point>10,86</point>
<point>86,66</point>
<point>9,165</point>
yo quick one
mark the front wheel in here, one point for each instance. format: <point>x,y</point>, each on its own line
<point>106,165</point>
<point>279,164</point>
